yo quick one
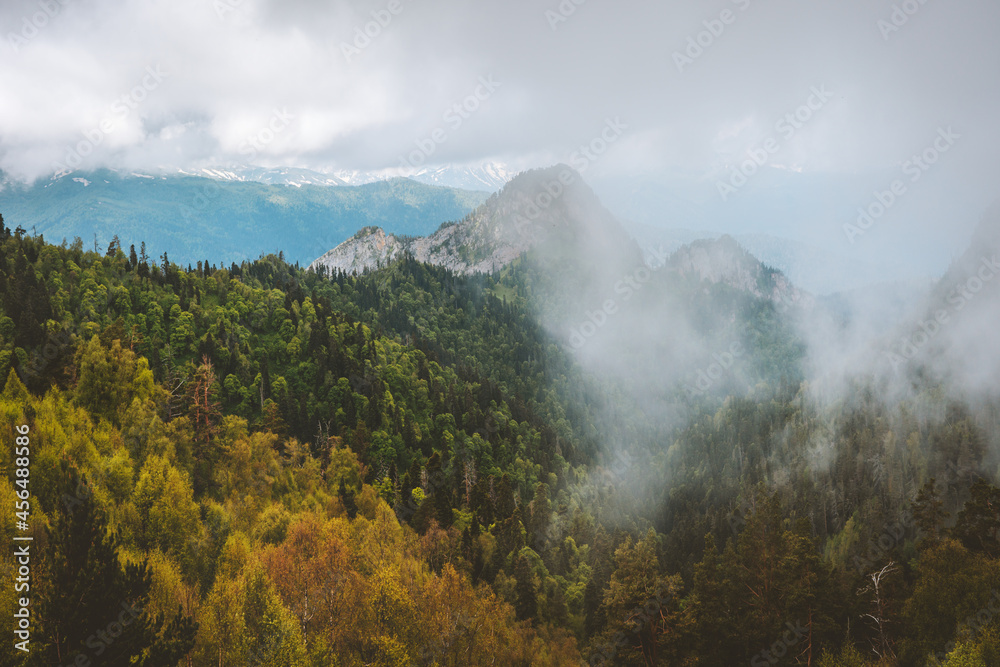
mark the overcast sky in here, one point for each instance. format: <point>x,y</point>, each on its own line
<point>229,70</point>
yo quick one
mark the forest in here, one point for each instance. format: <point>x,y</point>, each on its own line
<point>263,465</point>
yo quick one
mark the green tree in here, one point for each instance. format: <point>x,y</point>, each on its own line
<point>527,593</point>
<point>929,513</point>
<point>91,605</point>
<point>166,513</point>
<point>643,603</point>
<point>110,378</point>
<point>978,524</point>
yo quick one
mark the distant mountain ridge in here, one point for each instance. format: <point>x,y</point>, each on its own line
<point>511,222</point>
<point>572,230</point>
<point>726,260</point>
<point>818,270</point>
<point>224,220</point>
<point>484,176</point>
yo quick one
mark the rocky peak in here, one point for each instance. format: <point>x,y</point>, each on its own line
<point>544,206</point>
<point>723,260</point>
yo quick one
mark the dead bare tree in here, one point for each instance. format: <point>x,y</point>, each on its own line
<point>882,644</point>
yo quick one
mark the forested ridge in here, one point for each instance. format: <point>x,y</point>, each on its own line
<point>181,213</point>
<point>279,467</point>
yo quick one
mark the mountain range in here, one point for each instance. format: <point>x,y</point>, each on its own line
<point>525,216</point>
<point>512,415</point>
<point>482,176</point>
<point>226,218</point>
<point>675,295</point>
<point>243,211</point>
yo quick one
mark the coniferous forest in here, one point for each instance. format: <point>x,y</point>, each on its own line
<point>259,464</point>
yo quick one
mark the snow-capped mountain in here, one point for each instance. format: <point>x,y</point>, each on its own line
<point>483,177</point>
<point>269,176</point>
<point>488,176</point>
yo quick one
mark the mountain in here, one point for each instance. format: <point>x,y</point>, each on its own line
<point>272,176</point>
<point>477,488</point>
<point>813,268</point>
<point>953,336</point>
<point>481,176</point>
<point>486,176</point>
<point>551,246</point>
<point>573,226</point>
<point>197,218</point>
<point>726,261</point>
<point>518,218</point>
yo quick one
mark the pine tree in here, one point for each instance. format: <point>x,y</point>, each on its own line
<point>205,413</point>
<point>347,497</point>
<point>928,513</point>
<point>527,596</point>
<point>541,510</point>
<point>978,525</point>
<point>505,505</point>
<point>86,596</point>
<point>593,595</point>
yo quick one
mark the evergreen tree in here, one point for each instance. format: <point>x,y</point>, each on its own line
<point>505,505</point>
<point>91,605</point>
<point>978,525</point>
<point>347,497</point>
<point>527,595</point>
<point>929,513</point>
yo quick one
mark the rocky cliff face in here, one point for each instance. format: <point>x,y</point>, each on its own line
<point>369,248</point>
<point>551,206</point>
<point>553,212</point>
<point>724,261</point>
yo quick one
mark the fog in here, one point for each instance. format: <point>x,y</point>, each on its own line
<point>853,142</point>
<point>560,72</point>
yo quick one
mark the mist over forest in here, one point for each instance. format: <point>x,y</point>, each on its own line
<point>575,333</point>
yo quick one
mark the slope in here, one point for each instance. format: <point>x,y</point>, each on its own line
<point>193,218</point>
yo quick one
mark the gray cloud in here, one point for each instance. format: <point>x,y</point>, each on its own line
<point>231,63</point>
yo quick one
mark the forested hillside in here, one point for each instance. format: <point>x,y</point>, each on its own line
<point>183,214</point>
<point>271,466</point>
